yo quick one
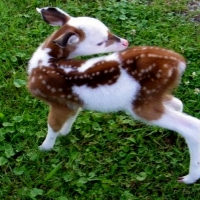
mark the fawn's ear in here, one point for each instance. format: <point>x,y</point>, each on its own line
<point>69,38</point>
<point>54,16</point>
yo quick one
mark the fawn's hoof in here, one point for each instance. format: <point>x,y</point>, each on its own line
<point>188,179</point>
<point>44,148</point>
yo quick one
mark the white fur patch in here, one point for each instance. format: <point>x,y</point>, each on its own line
<point>49,140</point>
<point>41,57</point>
<point>67,69</point>
<point>189,128</point>
<point>182,67</point>
<point>89,25</point>
<point>174,103</point>
<point>66,128</point>
<point>91,62</point>
<point>95,32</point>
<point>109,98</point>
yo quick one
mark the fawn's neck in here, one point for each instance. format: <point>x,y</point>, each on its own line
<point>47,54</point>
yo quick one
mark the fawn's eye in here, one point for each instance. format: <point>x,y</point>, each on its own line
<point>100,43</point>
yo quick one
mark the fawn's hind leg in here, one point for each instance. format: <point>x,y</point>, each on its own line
<point>173,102</point>
<point>60,121</point>
<point>187,126</point>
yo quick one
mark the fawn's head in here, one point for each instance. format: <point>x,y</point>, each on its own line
<point>81,35</point>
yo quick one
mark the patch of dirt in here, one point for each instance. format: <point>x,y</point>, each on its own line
<point>194,6</point>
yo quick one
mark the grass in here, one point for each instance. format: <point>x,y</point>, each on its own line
<point>106,156</point>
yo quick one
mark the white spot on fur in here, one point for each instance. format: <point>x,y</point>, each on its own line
<point>33,79</point>
<point>153,55</point>
<point>165,65</point>
<point>133,73</point>
<point>144,48</point>
<point>110,82</point>
<point>112,69</point>
<point>142,70</point>
<point>149,68</point>
<point>169,72</point>
<point>44,82</point>
<point>129,61</point>
<point>158,75</point>
<point>53,90</point>
<point>173,58</point>
<point>144,88</point>
<point>165,80</point>
<point>69,96</point>
<point>148,91</point>
<point>38,92</point>
<point>154,90</point>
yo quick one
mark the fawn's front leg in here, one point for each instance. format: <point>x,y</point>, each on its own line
<point>60,121</point>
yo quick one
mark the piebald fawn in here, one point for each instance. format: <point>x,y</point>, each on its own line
<point>138,80</point>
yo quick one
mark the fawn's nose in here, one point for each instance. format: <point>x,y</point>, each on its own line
<point>124,42</point>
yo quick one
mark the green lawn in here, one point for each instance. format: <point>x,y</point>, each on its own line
<point>106,156</point>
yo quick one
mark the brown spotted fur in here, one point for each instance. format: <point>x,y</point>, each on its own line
<point>155,69</point>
